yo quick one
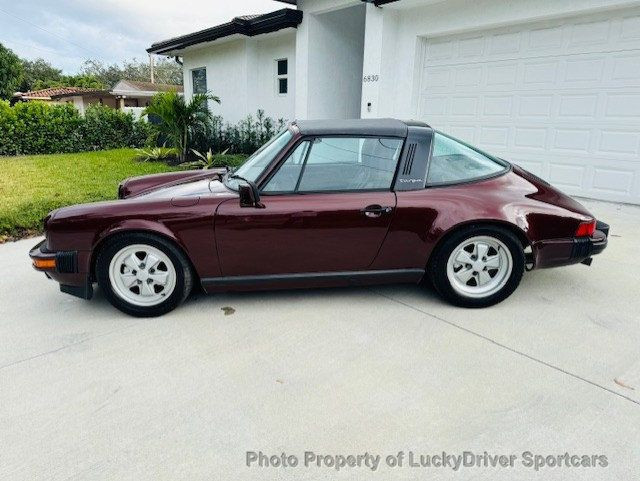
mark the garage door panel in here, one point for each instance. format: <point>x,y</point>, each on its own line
<point>622,106</point>
<point>626,68</point>
<point>498,105</point>
<point>619,142</point>
<point>471,47</point>
<point>546,38</point>
<point>630,28</point>
<point>613,180</point>
<point>567,175</point>
<point>561,98</point>
<point>571,140</point>
<point>591,33</point>
<point>578,106</point>
<point>583,70</point>
<point>534,138</point>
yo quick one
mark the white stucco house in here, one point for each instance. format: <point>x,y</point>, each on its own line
<point>553,85</point>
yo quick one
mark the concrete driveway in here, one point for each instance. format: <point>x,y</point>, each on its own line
<point>88,393</point>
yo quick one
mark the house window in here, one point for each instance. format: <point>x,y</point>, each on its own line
<point>199,79</point>
<point>282,76</point>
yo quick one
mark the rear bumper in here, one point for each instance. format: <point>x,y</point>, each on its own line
<point>562,252</point>
<point>63,267</point>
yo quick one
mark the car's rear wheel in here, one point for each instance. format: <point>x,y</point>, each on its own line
<point>477,266</point>
<point>143,275</point>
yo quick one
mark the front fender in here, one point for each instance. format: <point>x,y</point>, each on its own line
<point>143,225</point>
<point>146,183</point>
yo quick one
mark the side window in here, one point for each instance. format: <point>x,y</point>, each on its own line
<point>286,178</point>
<point>453,161</point>
<point>199,80</point>
<point>350,163</point>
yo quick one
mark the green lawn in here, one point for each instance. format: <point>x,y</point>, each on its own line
<point>31,186</point>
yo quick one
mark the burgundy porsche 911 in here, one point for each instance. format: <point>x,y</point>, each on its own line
<point>324,203</point>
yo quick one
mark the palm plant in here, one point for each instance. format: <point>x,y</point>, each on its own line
<point>156,154</point>
<point>179,119</point>
<point>204,161</point>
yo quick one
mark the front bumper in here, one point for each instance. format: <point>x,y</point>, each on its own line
<point>63,267</point>
<point>575,250</point>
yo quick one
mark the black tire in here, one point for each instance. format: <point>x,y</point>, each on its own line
<point>184,275</point>
<point>437,268</point>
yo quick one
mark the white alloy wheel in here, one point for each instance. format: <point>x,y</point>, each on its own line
<point>479,267</point>
<point>142,275</point>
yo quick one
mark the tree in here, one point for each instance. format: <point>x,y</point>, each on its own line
<point>166,71</point>
<point>86,81</point>
<point>10,73</point>
<point>180,120</point>
<point>39,74</point>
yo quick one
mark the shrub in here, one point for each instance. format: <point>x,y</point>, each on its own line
<point>104,128</point>
<point>245,137</point>
<point>40,128</point>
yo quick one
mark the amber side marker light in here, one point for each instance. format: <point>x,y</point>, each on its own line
<point>44,264</point>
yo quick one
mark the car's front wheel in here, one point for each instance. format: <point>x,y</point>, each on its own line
<point>143,275</point>
<point>478,267</point>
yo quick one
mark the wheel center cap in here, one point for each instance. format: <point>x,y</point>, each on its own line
<point>478,265</point>
<point>142,275</point>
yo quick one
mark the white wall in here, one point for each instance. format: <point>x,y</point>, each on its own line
<point>399,40</point>
<point>242,73</point>
<point>266,95</point>
<point>226,76</point>
<point>325,59</point>
<point>307,43</point>
<point>335,63</point>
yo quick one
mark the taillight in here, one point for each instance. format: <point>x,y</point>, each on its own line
<point>586,229</point>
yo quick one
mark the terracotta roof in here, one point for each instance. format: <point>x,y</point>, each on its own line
<point>153,87</point>
<point>47,94</point>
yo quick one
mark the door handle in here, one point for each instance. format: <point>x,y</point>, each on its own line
<point>375,210</point>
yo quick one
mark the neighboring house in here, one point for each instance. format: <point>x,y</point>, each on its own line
<point>128,95</point>
<point>50,95</point>
<point>551,85</point>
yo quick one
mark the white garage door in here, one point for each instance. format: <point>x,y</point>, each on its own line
<point>560,98</point>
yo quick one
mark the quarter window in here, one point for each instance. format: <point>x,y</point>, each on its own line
<point>338,164</point>
<point>454,161</point>
<point>199,80</point>
<point>282,76</point>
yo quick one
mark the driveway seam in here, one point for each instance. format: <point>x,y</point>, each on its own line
<point>504,346</point>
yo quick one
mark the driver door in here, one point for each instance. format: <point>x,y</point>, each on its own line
<point>327,208</point>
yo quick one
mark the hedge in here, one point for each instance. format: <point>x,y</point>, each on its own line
<point>40,128</point>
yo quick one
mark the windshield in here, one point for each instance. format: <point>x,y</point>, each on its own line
<point>255,165</point>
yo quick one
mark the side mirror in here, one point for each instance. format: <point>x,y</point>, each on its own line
<point>249,195</point>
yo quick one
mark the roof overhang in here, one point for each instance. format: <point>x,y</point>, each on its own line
<point>92,93</point>
<point>250,27</point>
<point>138,93</point>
